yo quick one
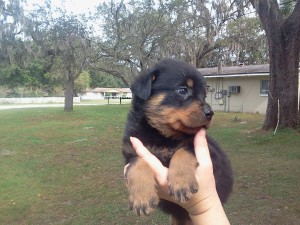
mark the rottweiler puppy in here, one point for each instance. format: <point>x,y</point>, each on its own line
<point>168,108</point>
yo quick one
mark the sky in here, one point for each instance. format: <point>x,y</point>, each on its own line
<point>71,6</point>
<point>77,6</point>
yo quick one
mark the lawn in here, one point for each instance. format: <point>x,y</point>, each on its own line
<point>66,168</point>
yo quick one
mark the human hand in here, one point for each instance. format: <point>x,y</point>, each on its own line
<point>204,207</point>
<point>206,196</point>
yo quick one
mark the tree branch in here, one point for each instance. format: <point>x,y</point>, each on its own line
<point>294,20</point>
<point>112,72</point>
<point>267,9</point>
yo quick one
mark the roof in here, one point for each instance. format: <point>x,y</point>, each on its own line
<point>236,71</point>
<point>110,90</point>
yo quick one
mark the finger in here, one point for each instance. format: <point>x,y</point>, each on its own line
<point>201,148</point>
<point>125,172</point>
<point>160,172</point>
<point>125,169</point>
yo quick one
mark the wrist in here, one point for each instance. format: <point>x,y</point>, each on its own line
<point>204,205</point>
<point>208,211</point>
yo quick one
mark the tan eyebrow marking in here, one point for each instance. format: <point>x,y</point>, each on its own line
<point>190,83</point>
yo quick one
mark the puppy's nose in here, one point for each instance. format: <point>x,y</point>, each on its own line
<point>209,114</point>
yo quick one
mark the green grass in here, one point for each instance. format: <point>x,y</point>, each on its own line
<point>66,168</point>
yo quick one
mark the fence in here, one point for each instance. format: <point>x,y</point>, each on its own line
<point>126,100</point>
<point>36,100</point>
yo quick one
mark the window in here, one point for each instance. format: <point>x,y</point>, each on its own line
<point>234,89</point>
<point>264,87</point>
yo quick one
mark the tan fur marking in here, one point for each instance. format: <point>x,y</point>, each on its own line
<point>190,83</point>
<point>156,100</point>
<point>173,121</point>
<point>142,188</point>
<point>181,176</point>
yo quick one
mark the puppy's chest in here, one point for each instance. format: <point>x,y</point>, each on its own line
<point>165,153</point>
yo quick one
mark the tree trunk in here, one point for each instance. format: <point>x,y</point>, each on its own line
<point>283,87</point>
<point>69,93</point>
<point>284,47</point>
<point>284,60</point>
<point>288,87</point>
<point>275,55</point>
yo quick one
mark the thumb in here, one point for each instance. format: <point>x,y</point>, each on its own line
<point>160,172</point>
<point>201,148</point>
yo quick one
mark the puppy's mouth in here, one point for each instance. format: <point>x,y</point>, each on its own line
<point>180,127</point>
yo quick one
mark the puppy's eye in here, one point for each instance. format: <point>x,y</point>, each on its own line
<point>182,91</point>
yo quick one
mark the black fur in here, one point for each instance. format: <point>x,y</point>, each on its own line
<point>165,78</point>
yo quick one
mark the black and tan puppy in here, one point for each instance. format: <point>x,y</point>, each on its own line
<point>168,108</point>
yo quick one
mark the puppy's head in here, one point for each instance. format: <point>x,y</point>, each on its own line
<point>173,95</point>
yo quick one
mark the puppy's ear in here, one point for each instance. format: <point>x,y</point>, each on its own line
<point>141,87</point>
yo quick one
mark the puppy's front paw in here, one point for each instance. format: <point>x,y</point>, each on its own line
<point>143,200</point>
<point>182,185</point>
<point>181,176</point>
<point>142,190</point>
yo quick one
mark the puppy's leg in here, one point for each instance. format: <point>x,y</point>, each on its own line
<point>181,176</point>
<point>141,186</point>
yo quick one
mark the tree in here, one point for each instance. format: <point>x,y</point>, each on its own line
<point>245,42</point>
<point>11,47</point>
<point>22,64</point>
<point>62,41</point>
<point>197,25</point>
<point>131,37</point>
<point>69,39</point>
<point>100,79</point>
<point>137,34</point>
<point>283,35</point>
<point>82,82</point>
<point>32,76</point>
